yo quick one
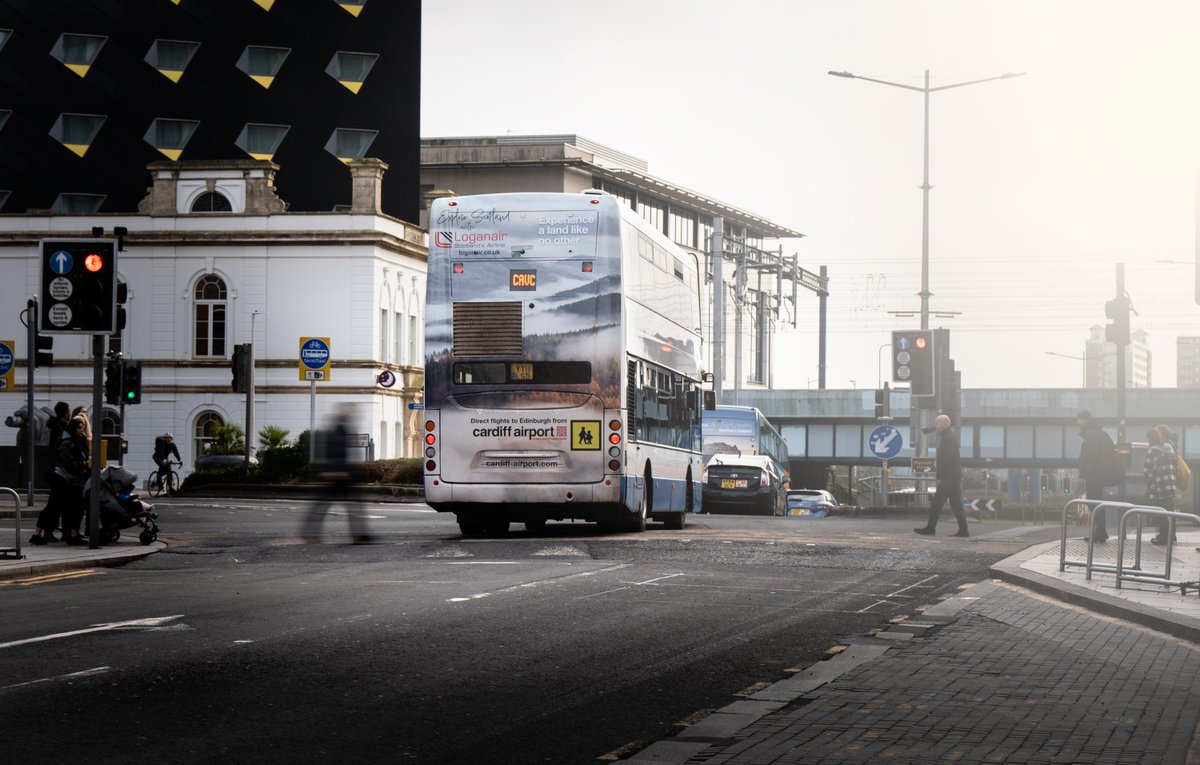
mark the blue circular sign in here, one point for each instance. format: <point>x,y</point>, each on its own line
<point>885,442</point>
<point>61,262</point>
<point>6,358</point>
<point>314,354</point>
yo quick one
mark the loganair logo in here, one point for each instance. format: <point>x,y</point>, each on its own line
<point>448,239</point>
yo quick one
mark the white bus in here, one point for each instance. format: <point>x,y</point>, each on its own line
<point>562,368</point>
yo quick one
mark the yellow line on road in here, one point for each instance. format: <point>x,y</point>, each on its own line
<point>59,577</point>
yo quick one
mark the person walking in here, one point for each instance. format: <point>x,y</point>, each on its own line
<point>1097,454</point>
<point>949,480</point>
<point>48,519</point>
<point>1161,472</point>
<point>72,468</point>
<point>339,483</point>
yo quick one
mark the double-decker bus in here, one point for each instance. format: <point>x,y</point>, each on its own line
<point>562,369</point>
<point>746,462</point>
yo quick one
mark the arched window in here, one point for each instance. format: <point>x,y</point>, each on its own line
<point>414,331</point>
<point>204,432</point>
<point>211,201</point>
<point>398,355</point>
<point>210,298</point>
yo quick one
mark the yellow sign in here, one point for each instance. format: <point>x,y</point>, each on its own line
<point>314,358</point>
<point>585,435</point>
<point>8,360</point>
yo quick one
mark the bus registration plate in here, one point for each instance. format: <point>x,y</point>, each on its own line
<point>521,372</point>
<point>731,483</point>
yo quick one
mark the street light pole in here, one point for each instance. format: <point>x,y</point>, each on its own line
<point>925,187</point>
<point>922,448</point>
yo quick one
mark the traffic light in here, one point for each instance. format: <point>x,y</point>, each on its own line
<point>1117,331</point>
<point>913,360</point>
<point>238,365</point>
<point>1066,485</point>
<point>883,404</point>
<point>131,386</point>
<point>43,354</point>
<point>122,296</point>
<point>79,287</point>
<point>112,383</point>
<point>1045,483</point>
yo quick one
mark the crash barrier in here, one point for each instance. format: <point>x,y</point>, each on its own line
<point>13,552</point>
<point>1153,578</point>
<point>1098,506</point>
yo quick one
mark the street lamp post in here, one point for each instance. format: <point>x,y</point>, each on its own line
<point>1083,379</point>
<point>925,187</point>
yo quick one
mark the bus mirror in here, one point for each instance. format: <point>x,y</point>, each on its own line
<point>706,377</point>
<point>710,400</point>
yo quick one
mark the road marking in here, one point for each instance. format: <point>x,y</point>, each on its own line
<point>68,676</point>
<point>61,576</point>
<point>538,583</point>
<point>914,584</point>
<point>133,624</point>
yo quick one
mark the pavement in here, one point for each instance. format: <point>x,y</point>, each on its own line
<point>1035,665</point>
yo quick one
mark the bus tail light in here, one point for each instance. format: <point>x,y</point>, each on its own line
<point>431,440</point>
<point>614,445</point>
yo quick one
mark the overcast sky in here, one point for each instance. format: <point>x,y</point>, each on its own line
<point>1041,183</point>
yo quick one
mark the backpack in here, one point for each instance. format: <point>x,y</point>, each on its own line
<point>1183,475</point>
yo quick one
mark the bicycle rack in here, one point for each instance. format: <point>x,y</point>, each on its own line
<point>13,552</point>
<point>1098,505</point>
<point>1152,578</point>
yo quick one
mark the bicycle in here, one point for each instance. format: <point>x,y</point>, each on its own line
<point>155,485</point>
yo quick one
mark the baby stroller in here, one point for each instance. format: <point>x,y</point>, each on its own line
<point>120,508</point>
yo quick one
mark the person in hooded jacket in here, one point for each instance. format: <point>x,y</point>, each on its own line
<point>1096,455</point>
<point>72,467</point>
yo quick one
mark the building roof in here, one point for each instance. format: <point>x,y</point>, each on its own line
<point>600,160</point>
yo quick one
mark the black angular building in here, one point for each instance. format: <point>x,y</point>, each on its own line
<point>92,91</point>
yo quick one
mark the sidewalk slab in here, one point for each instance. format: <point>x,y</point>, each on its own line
<point>44,559</point>
<point>1155,606</point>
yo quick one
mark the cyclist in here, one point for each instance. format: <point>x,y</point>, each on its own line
<point>164,447</point>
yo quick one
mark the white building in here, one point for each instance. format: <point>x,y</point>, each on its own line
<point>1100,360</point>
<point>212,259</point>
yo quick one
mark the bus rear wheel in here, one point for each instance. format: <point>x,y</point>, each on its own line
<point>636,523</point>
<point>471,525</point>
<point>535,525</point>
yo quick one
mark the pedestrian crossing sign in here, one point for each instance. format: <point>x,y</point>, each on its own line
<point>585,435</point>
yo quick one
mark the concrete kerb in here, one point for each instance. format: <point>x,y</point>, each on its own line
<point>105,557</point>
<point>726,722</point>
<point>1010,570</point>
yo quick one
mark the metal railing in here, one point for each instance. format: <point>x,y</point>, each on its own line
<point>1168,528</point>
<point>13,552</point>
<point>1095,506</point>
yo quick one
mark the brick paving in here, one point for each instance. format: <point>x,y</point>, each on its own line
<point>1014,680</point>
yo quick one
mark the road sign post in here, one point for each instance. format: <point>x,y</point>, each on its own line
<point>885,443</point>
<point>314,366</point>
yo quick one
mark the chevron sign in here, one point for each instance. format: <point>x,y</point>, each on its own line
<point>985,505</point>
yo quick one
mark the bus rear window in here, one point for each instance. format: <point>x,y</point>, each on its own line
<point>523,373</point>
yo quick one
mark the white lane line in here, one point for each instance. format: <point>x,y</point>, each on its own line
<point>657,579</point>
<point>914,584</point>
<point>537,583</point>
<point>69,676</point>
<point>134,624</point>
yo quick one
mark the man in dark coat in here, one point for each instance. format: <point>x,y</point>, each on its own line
<point>1096,455</point>
<point>949,480</point>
